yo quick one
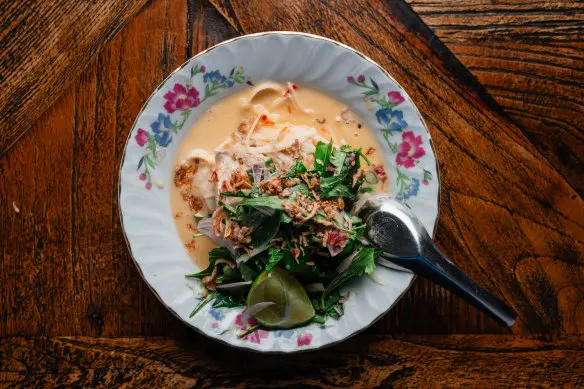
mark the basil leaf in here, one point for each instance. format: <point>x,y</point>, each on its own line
<point>302,188</point>
<point>364,262</point>
<point>296,169</point>
<point>333,308</point>
<point>269,201</point>
<point>214,255</point>
<point>229,274</point>
<point>264,232</point>
<point>349,149</point>
<point>239,193</point>
<point>339,191</point>
<point>247,273</point>
<point>327,183</point>
<point>257,216</point>
<point>284,218</point>
<point>322,156</point>
<point>225,301</point>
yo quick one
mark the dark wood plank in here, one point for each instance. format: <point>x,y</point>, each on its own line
<point>364,362</point>
<point>530,57</point>
<point>45,46</point>
<point>19,307</point>
<point>65,269</point>
<point>37,267</point>
<point>501,199</point>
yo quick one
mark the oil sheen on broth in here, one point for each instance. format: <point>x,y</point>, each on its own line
<point>306,107</point>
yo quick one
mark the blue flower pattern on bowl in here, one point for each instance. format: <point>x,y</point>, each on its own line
<point>217,314</point>
<point>392,120</point>
<point>162,129</point>
<point>283,333</point>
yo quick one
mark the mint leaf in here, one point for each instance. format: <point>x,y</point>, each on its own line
<point>339,191</point>
<point>274,257</point>
<point>338,159</point>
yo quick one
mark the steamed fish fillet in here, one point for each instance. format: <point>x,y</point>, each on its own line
<point>194,178</point>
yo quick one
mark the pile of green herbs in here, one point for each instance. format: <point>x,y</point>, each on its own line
<point>274,236</point>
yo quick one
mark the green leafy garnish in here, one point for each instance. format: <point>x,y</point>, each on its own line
<point>322,156</point>
<point>214,255</point>
<point>338,159</point>
<point>274,257</point>
<point>294,223</point>
<point>270,202</point>
<point>363,263</point>
<point>266,230</point>
<point>202,303</point>
<point>339,190</point>
<point>296,169</point>
<point>225,301</point>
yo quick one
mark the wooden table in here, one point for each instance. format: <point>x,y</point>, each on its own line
<point>501,87</point>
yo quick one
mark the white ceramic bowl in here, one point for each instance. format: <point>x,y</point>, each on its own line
<point>147,165</point>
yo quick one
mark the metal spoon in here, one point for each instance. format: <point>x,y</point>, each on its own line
<point>392,227</point>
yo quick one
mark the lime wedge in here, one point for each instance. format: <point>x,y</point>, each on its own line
<point>291,306</point>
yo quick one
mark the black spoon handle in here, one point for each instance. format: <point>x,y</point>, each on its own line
<point>434,266</point>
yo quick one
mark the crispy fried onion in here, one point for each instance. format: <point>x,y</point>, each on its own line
<point>209,281</point>
<point>230,230</point>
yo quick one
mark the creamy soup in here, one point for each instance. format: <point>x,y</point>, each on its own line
<point>257,118</point>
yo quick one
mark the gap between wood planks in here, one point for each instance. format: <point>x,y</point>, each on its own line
<point>362,362</point>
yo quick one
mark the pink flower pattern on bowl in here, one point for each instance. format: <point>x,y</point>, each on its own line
<point>304,339</point>
<point>244,323</point>
<point>181,98</point>
<point>409,151</point>
<point>141,137</point>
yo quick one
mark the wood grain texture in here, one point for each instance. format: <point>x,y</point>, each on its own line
<point>530,57</point>
<point>65,266</point>
<point>45,46</point>
<point>364,362</point>
<point>507,216</point>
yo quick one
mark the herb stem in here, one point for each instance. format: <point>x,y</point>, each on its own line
<point>204,302</point>
<point>248,331</point>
